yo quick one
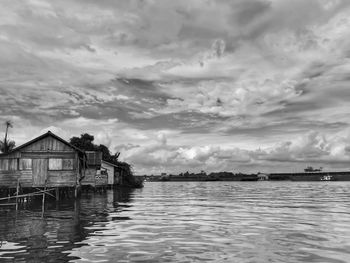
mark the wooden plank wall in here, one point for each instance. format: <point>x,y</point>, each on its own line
<point>40,171</point>
<point>40,155</point>
<point>29,179</point>
<point>62,178</point>
<point>9,178</point>
<point>47,144</point>
<point>11,166</point>
<point>110,172</point>
<point>92,178</point>
<point>101,180</point>
<point>94,158</point>
<point>89,178</point>
<point>10,173</point>
<point>16,154</point>
<point>119,174</point>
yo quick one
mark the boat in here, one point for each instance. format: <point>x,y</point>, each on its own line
<point>310,169</point>
<point>326,178</point>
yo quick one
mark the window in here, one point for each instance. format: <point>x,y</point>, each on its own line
<point>4,164</point>
<point>55,164</point>
<point>25,164</point>
<point>61,164</point>
<point>9,164</point>
<point>13,164</point>
<point>67,164</point>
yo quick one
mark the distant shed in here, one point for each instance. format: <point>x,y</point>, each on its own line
<point>47,160</point>
<point>113,172</point>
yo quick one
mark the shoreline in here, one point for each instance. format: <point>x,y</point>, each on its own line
<point>302,176</point>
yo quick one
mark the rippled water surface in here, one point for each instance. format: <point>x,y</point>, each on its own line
<point>186,222</point>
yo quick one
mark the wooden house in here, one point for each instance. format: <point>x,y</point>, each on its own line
<point>93,175</point>
<point>47,160</point>
<point>112,171</point>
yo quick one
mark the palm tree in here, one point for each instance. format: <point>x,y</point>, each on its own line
<point>7,145</point>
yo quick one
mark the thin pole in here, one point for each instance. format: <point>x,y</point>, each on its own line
<point>57,194</point>
<point>43,202</point>
<point>77,177</point>
<point>30,194</point>
<point>5,141</point>
<point>17,194</point>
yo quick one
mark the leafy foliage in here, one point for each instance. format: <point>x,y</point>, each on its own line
<point>7,145</point>
<point>86,142</point>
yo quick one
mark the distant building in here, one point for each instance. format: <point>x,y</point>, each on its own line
<point>263,177</point>
<point>113,172</point>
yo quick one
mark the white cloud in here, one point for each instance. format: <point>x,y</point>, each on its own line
<point>183,84</point>
<point>104,138</point>
<point>56,130</point>
<point>311,148</point>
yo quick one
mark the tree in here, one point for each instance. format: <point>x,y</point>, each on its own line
<point>6,145</point>
<point>105,152</point>
<point>107,155</point>
<point>85,142</point>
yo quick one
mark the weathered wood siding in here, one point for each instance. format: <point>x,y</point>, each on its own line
<point>39,171</point>
<point>101,179</point>
<point>47,160</point>
<point>89,178</point>
<point>47,144</point>
<point>62,178</point>
<point>92,173</point>
<point>13,155</point>
<point>94,158</point>
<point>119,174</point>
<point>9,178</point>
<point>11,169</point>
<point>110,172</point>
<point>94,178</point>
<point>40,155</point>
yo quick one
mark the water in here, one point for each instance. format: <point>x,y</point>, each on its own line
<point>187,222</point>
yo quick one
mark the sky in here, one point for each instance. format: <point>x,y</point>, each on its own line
<point>186,85</point>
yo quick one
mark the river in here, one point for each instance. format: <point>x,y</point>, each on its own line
<point>186,222</point>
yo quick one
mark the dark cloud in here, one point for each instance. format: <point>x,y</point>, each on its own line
<point>250,11</point>
<point>242,84</point>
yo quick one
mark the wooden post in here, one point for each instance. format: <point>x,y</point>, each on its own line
<point>76,191</point>
<point>17,194</point>
<point>57,194</point>
<point>76,175</point>
<point>43,202</point>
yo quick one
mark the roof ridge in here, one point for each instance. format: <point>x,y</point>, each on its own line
<point>48,133</point>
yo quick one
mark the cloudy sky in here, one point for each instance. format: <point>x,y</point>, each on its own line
<point>186,85</point>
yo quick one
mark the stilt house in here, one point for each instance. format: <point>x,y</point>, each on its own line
<point>47,160</point>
